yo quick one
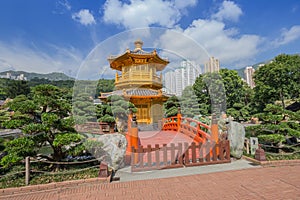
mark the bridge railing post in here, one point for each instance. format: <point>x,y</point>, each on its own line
<point>134,136</point>
<point>179,119</point>
<point>128,138</point>
<point>215,131</point>
<point>198,131</point>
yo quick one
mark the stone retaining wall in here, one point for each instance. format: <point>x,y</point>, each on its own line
<point>273,162</point>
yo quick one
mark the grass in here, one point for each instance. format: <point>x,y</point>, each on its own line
<point>271,157</point>
<point>277,156</point>
<point>18,180</point>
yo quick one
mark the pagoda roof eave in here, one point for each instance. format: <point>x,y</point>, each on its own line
<point>137,93</point>
<point>117,62</point>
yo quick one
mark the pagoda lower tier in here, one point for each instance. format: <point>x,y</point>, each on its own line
<point>149,103</point>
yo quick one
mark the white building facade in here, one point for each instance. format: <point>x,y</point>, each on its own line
<point>212,65</point>
<point>248,74</point>
<point>180,78</point>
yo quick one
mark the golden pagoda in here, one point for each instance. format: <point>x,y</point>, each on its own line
<point>137,81</point>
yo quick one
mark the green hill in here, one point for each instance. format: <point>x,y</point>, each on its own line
<point>54,76</point>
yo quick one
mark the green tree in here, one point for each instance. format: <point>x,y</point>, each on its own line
<point>84,109</point>
<point>46,120</point>
<point>223,90</point>
<point>209,88</point>
<point>171,106</point>
<point>15,88</point>
<point>202,92</point>
<point>278,125</point>
<point>61,83</point>
<point>189,102</point>
<point>278,80</point>
<point>4,116</point>
<point>116,109</point>
<point>105,85</point>
<point>235,88</point>
<point>3,94</point>
<point>16,150</point>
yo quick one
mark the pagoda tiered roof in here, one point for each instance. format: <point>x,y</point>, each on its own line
<point>140,92</point>
<point>137,56</point>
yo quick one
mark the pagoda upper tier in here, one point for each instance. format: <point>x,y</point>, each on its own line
<point>138,68</point>
<point>137,57</point>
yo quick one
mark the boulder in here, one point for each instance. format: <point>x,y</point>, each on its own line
<point>113,150</point>
<point>236,137</point>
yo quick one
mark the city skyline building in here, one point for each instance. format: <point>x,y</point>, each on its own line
<point>248,74</point>
<point>212,65</point>
<point>176,81</point>
<point>17,77</point>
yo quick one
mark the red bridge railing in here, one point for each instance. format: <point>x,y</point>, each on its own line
<point>179,155</point>
<point>196,130</point>
<point>206,145</point>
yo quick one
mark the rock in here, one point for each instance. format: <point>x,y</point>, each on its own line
<point>113,150</point>
<point>236,137</point>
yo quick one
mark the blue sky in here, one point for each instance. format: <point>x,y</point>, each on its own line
<point>58,35</point>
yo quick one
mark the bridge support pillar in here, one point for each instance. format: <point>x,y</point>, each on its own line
<point>132,138</point>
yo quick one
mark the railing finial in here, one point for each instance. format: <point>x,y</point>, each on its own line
<point>214,119</point>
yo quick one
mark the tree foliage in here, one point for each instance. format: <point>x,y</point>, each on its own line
<point>16,150</point>
<point>84,109</point>
<point>45,118</point>
<point>220,90</point>
<point>278,125</point>
<point>171,106</point>
<point>235,88</point>
<point>278,80</point>
<point>16,87</point>
<point>42,81</point>
<point>116,109</point>
<point>189,103</point>
<point>105,85</point>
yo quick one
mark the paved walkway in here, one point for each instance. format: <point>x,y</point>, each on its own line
<point>126,175</point>
<point>253,183</point>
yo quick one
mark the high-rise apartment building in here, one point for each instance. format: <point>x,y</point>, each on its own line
<point>248,74</point>
<point>177,80</point>
<point>212,65</point>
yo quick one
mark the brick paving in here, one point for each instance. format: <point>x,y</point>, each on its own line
<point>282,182</point>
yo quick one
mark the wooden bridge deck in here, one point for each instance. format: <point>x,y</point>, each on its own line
<point>162,137</point>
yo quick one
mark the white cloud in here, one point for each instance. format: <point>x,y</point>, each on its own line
<point>228,11</point>
<point>4,65</point>
<point>181,4</point>
<point>212,35</point>
<point>85,17</point>
<point>143,13</point>
<point>20,57</point>
<point>65,4</point>
<point>288,35</point>
<point>61,7</point>
<point>231,49</point>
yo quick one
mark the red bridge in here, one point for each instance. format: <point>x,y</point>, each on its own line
<point>181,142</point>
